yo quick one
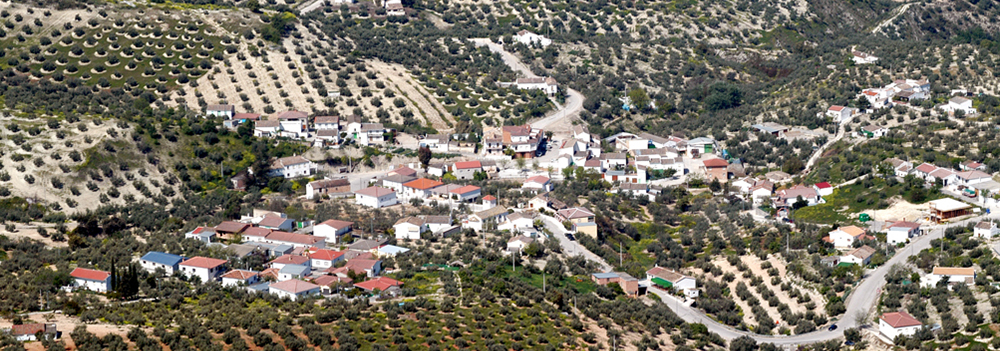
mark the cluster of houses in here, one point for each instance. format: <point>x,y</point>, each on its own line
<point>899,92</point>
<point>322,130</point>
<point>301,264</point>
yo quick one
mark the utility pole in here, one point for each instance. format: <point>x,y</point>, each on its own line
<point>544,290</point>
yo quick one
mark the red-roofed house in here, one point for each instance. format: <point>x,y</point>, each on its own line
<point>468,193</point>
<point>403,171</point>
<point>91,279</point>
<point>326,281</point>
<point>27,332</point>
<point>466,169</point>
<point>420,188</point>
<point>380,283</point>
<point>205,268</point>
<point>369,268</point>
<point>971,165</point>
<point>284,260</point>
<point>838,113</point>
<point>717,168</point>
<point>240,277</point>
<point>323,258</point>
<point>823,188</point>
<point>537,184</point>
<point>294,289</point>
<point>892,324</point>
<point>332,229</point>
<point>376,197</point>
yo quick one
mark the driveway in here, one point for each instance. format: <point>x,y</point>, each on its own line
<point>571,247</point>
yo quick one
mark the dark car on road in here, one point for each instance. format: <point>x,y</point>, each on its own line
<point>832,327</point>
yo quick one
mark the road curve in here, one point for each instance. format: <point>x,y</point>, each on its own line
<point>574,99</point>
<point>858,303</point>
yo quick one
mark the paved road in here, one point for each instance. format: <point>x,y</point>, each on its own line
<point>557,119</point>
<point>571,247</point>
<point>888,21</point>
<point>819,152</point>
<point>311,6</point>
<point>859,303</point>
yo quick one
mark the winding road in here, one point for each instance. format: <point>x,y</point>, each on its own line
<point>819,152</point>
<point>557,119</point>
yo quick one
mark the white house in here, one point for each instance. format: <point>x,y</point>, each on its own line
<point>823,188</point>
<point>266,128</point>
<point>274,222</point>
<point>291,167</point>
<point>673,281</point>
<point>873,131</point>
<point>901,232</point>
<point>326,123</point>
<point>376,197</point>
<point>435,142</point>
<point>862,58</point>
<point>318,188</point>
<point>518,243</point>
<point>959,103</point>
<point>838,113</point>
<point>893,324</point>
<point>205,268</point>
<point>153,260</point>
<point>289,260</point>
<point>419,188</point>
<point>546,84</point>
<point>323,258</point>
<point>972,177</point>
<point>91,279</point>
<point>371,134</point>
<point>986,230</point>
<point>482,219</point>
<point>240,277</point>
<point>520,221</point>
<point>332,230</point>
<point>859,256</point>
<point>845,236</point>
<point>956,275</point>
<point>294,289</point>
<point>529,38</point>
<point>28,332</point>
<point>293,123</point>
<point>225,111</point>
<point>409,228</point>
<point>537,184</point>
<point>294,271</point>
<point>468,193</point>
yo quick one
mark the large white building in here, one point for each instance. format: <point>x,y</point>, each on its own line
<point>529,38</point>
<point>332,230</point>
<point>376,197</point>
<point>293,123</point>
<point>291,167</point>
<point>294,289</point>
<point>91,279</point>
<point>546,84</point>
<point>205,268</point>
<point>898,323</point>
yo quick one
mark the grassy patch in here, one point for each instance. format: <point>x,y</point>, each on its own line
<point>856,198</point>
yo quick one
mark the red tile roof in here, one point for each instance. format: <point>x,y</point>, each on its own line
<point>403,170</point>
<point>290,115</point>
<point>90,274</point>
<point>380,283</point>
<point>836,108</point>
<point>27,329</point>
<point>287,237</point>
<point>203,262</point>
<point>465,189</point>
<point>337,224</point>
<point>240,274</point>
<point>326,280</point>
<point>375,191</point>
<point>489,198</point>
<point>290,259</point>
<point>294,286</point>
<point>926,168</point>
<point>423,184</point>
<point>325,255</point>
<point>537,179</point>
<point>716,162</point>
<point>256,231</point>
<point>359,265</point>
<point>468,165</point>
<point>823,185</point>
<point>900,319</point>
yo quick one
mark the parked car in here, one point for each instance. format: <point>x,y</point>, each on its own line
<point>832,327</point>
